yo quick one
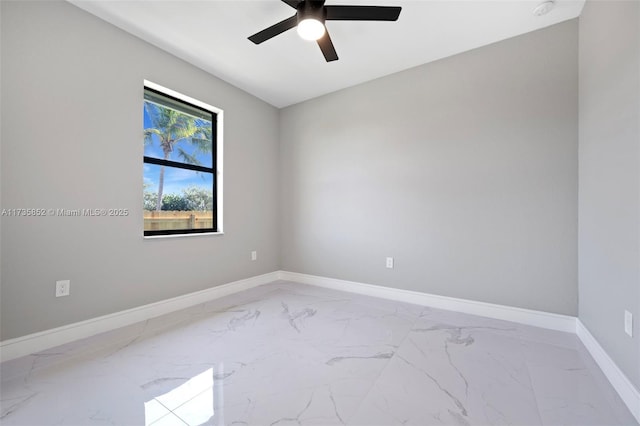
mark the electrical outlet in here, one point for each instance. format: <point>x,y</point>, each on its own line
<point>254,255</point>
<point>390,262</point>
<point>628,323</point>
<point>63,288</point>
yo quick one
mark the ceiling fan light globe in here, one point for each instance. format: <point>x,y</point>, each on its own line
<point>311,29</point>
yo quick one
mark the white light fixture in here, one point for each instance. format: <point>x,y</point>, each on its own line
<point>311,29</point>
<point>544,8</point>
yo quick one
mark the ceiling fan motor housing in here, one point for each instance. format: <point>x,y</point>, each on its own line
<point>311,10</point>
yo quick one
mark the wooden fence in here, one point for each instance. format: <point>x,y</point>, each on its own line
<point>165,220</point>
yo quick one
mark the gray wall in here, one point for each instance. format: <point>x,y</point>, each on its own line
<point>609,160</point>
<point>464,170</point>
<point>72,138</point>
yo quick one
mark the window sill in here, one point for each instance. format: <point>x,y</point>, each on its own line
<point>199,234</point>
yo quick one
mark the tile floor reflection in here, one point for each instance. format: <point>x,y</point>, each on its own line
<point>291,354</point>
<point>194,400</point>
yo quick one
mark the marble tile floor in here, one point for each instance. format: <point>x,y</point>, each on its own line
<point>292,354</point>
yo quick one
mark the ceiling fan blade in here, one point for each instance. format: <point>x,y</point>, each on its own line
<point>326,45</point>
<point>292,3</point>
<point>362,13</point>
<point>274,30</point>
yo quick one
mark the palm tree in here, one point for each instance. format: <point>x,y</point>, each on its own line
<point>170,127</point>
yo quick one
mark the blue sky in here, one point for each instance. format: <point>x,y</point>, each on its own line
<point>174,179</point>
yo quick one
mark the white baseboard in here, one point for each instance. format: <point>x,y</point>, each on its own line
<point>508,313</point>
<point>36,342</point>
<point>616,377</point>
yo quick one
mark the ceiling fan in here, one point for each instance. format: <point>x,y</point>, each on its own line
<point>311,16</point>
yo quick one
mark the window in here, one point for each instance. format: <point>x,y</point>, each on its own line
<point>181,185</point>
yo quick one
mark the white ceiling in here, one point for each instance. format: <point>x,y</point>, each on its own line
<point>212,34</point>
